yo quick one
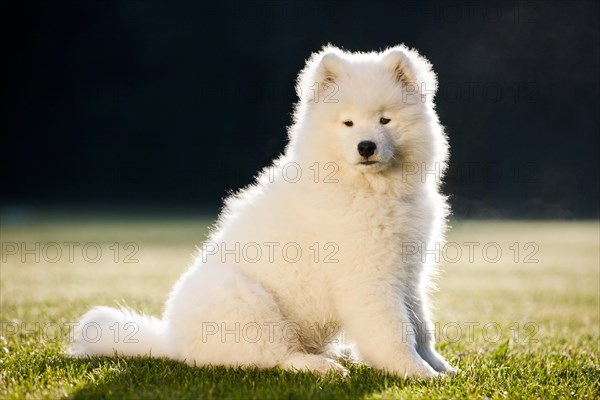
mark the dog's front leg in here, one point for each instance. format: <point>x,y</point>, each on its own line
<point>376,318</point>
<point>416,302</point>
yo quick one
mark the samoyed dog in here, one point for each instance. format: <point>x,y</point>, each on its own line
<point>327,256</point>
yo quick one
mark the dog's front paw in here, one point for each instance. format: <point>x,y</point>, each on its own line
<point>442,366</point>
<point>418,369</point>
<point>438,362</point>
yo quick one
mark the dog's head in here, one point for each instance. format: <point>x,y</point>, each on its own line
<point>366,111</point>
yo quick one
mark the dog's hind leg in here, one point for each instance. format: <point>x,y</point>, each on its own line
<point>219,316</point>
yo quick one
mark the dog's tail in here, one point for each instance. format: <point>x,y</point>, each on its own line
<point>102,331</point>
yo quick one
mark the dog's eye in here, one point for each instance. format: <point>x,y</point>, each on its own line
<point>348,123</point>
<point>384,120</point>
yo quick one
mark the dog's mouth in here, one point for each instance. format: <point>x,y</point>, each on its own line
<point>367,162</point>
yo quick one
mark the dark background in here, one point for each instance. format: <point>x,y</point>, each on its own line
<point>156,104</point>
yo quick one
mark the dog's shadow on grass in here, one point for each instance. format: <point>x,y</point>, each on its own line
<point>158,378</point>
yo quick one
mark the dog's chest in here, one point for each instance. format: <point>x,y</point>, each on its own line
<point>371,231</point>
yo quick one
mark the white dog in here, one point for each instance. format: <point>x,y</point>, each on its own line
<point>335,237</point>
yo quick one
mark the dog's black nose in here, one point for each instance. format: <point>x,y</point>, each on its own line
<point>366,148</point>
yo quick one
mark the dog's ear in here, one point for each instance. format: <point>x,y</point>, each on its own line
<point>410,68</point>
<point>320,73</point>
<point>398,63</point>
<point>329,67</point>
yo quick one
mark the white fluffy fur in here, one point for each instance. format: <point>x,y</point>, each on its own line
<point>231,309</point>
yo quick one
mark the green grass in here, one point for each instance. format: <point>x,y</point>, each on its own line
<point>535,326</point>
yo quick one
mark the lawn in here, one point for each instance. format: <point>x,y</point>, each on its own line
<point>517,306</point>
